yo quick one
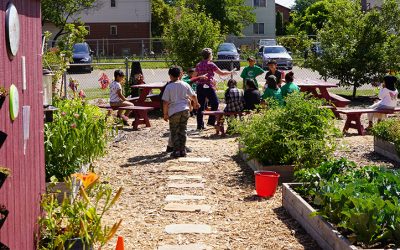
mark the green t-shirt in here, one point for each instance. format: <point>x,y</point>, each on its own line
<point>275,94</point>
<point>251,73</point>
<point>186,79</point>
<point>289,88</point>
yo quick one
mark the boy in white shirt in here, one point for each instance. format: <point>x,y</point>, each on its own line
<point>117,99</point>
<point>388,95</point>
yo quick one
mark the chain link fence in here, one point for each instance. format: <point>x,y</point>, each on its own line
<point>157,71</point>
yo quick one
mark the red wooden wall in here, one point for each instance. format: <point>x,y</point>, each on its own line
<point>21,192</point>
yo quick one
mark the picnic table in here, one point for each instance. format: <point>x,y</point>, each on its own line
<point>145,94</point>
<point>320,90</point>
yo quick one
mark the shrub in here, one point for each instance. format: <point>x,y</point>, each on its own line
<point>300,133</point>
<point>362,203</point>
<point>77,136</point>
<point>388,130</point>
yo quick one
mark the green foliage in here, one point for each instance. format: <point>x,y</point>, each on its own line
<point>77,216</point>
<point>389,130</point>
<point>362,203</point>
<point>161,15</point>
<point>300,6</point>
<point>62,12</point>
<point>297,43</point>
<point>280,29</point>
<point>300,133</point>
<point>313,18</point>
<point>233,15</point>
<point>188,34</point>
<point>357,53</point>
<point>77,136</point>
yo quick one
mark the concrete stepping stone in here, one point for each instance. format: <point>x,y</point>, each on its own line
<point>185,185</point>
<point>181,169</point>
<point>194,159</point>
<point>185,177</point>
<point>185,247</point>
<point>184,197</point>
<point>177,207</point>
<point>188,229</point>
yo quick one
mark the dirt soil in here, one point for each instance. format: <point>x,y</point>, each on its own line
<point>240,220</point>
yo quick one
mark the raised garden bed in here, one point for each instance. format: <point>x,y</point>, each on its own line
<point>285,171</point>
<point>386,148</point>
<point>321,231</point>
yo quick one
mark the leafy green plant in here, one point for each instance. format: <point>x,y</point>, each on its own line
<point>388,130</point>
<point>77,136</point>
<point>300,133</point>
<point>362,202</point>
<point>79,216</point>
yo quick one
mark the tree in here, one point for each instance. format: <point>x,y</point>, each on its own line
<point>161,15</point>
<point>312,19</point>
<point>279,24</point>
<point>187,34</point>
<point>300,6</point>
<point>356,45</point>
<point>233,15</point>
<point>61,12</point>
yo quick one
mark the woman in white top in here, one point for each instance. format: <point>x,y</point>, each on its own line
<point>117,99</point>
<point>388,95</point>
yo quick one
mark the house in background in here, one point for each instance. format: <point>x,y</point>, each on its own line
<point>21,139</point>
<point>117,27</point>
<point>264,27</point>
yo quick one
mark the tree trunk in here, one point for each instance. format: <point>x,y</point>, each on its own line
<point>354,91</point>
<point>53,43</point>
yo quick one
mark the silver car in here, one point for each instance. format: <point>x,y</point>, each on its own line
<point>277,53</point>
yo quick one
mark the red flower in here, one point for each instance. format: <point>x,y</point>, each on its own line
<point>73,125</point>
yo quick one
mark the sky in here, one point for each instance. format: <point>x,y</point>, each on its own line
<point>286,3</point>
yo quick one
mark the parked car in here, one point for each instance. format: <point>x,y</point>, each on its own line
<point>278,53</point>
<point>315,48</point>
<point>228,51</point>
<point>82,54</point>
<point>266,42</point>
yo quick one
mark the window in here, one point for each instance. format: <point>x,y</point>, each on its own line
<point>112,3</point>
<point>88,29</point>
<point>258,28</point>
<point>113,30</point>
<point>260,3</point>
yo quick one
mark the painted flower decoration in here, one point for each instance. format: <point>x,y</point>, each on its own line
<point>82,94</point>
<point>88,179</point>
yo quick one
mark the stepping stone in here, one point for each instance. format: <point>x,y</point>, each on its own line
<point>185,247</point>
<point>181,169</point>
<point>194,160</point>
<point>185,185</point>
<point>185,177</point>
<point>188,229</point>
<point>184,197</point>
<point>177,207</point>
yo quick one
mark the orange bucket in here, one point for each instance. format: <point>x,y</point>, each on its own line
<point>266,183</point>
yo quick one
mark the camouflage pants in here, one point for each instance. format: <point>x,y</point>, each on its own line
<point>178,127</point>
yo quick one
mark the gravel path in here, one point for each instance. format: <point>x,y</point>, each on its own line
<point>238,218</point>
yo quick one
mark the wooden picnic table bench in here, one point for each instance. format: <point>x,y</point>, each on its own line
<point>353,119</point>
<point>140,113</point>
<point>322,88</point>
<point>145,90</point>
<point>219,114</point>
<point>152,97</point>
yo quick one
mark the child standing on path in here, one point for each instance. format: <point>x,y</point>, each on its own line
<point>251,72</point>
<point>117,99</point>
<point>176,110</point>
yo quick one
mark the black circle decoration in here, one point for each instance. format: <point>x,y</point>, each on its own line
<point>12,30</point>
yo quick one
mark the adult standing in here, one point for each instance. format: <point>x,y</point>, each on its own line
<point>273,70</point>
<point>206,86</point>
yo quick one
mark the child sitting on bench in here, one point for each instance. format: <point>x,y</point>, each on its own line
<point>388,95</point>
<point>117,99</point>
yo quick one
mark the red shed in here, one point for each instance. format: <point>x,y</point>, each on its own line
<point>21,65</point>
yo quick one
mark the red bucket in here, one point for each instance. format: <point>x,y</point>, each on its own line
<point>266,183</point>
